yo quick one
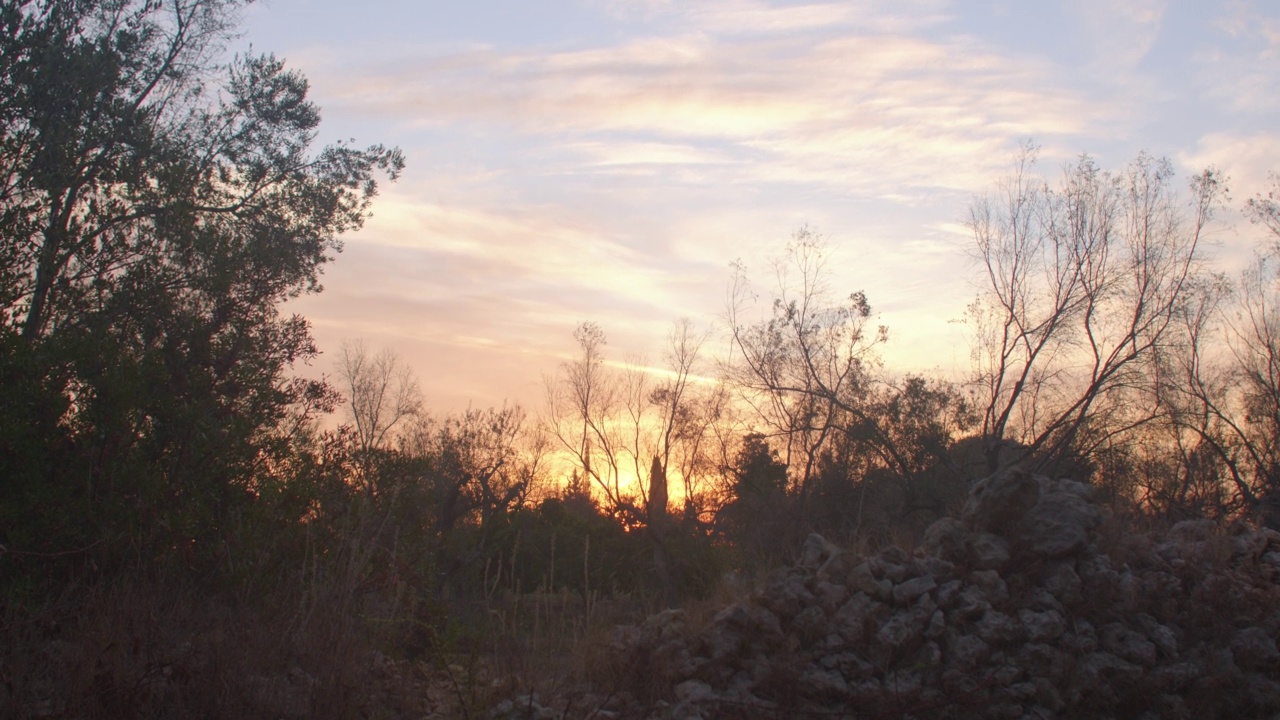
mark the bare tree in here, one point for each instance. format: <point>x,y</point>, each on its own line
<point>1230,403</point>
<point>808,370</point>
<point>381,394</point>
<point>1084,282</point>
<point>608,420</point>
<point>581,402</point>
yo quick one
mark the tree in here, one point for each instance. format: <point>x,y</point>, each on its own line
<point>470,471</point>
<point>809,370</point>
<point>382,393</point>
<point>607,422</point>
<point>1085,282</point>
<point>1227,404</point>
<point>156,207</point>
<point>755,517</point>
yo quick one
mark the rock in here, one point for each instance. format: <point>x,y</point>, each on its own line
<point>1176,677</point>
<point>1059,524</point>
<point>1102,672</point>
<point>1189,531</point>
<point>1128,644</point>
<point>1253,649</point>
<point>997,628</point>
<point>1062,582</point>
<point>947,539</point>
<point>810,624</point>
<point>821,682</point>
<point>830,595</point>
<point>908,591</point>
<point>988,551</point>
<point>937,625</point>
<point>815,552</point>
<point>1083,638</point>
<point>937,568</point>
<point>837,567</point>
<point>949,594</point>
<point>967,651</point>
<point>862,579</point>
<point>1013,607</point>
<point>1043,660</point>
<point>1042,626</point>
<point>992,586</point>
<point>523,707</point>
<point>1000,501</point>
<point>902,631</point>
<point>972,604</point>
<point>785,593</point>
<point>694,691</point>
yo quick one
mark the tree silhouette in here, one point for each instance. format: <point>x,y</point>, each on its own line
<point>156,208</point>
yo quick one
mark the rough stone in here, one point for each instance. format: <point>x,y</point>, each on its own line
<point>1128,644</point>
<point>909,590</point>
<point>785,593</point>
<point>998,502</point>
<point>816,551</point>
<point>947,539</point>
<point>1253,649</point>
<point>1059,524</point>
<point>1042,626</point>
<point>863,580</point>
<point>1014,607</point>
<point>988,551</point>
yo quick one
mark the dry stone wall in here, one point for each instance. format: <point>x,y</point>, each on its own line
<point>1012,610</point>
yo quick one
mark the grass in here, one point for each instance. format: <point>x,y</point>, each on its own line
<point>135,648</point>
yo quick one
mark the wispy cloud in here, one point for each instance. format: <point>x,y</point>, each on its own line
<point>612,176</point>
<point>1119,34</point>
<point>1241,69</point>
<point>857,109</point>
<point>1247,159</point>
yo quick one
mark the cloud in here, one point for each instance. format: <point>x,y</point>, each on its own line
<point>752,17</point>
<point>858,109</point>
<point>612,177</point>
<point>1242,69</point>
<point>1247,159</point>
<point>1119,34</point>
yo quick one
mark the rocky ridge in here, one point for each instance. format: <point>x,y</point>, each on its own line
<point>1012,610</point>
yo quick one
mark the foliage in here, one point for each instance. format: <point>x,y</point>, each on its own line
<point>151,223</point>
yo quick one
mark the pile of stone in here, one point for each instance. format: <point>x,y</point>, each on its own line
<point>1012,610</point>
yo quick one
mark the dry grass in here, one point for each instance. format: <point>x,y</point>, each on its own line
<point>134,649</point>
<point>138,649</point>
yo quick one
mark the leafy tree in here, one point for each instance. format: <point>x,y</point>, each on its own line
<point>756,518</point>
<point>471,471</point>
<point>156,207</point>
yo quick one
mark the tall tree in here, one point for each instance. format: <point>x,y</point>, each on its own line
<point>1084,282</point>
<point>156,206</point>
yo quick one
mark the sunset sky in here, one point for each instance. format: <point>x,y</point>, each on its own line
<point>606,160</point>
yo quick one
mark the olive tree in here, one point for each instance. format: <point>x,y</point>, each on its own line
<point>158,203</point>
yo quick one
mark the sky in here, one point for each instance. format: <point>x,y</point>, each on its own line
<point>607,160</point>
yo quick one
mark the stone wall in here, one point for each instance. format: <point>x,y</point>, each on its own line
<point>1027,605</point>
